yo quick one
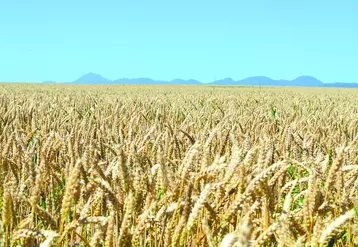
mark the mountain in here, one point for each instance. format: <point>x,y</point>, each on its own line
<point>225,81</point>
<point>307,81</point>
<point>92,78</point>
<point>304,81</point>
<point>266,81</point>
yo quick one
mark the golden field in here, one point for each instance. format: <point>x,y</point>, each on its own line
<point>130,165</point>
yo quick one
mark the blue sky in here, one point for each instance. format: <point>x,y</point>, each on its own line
<point>190,39</point>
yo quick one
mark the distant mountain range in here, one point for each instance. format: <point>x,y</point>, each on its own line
<point>92,78</point>
<point>306,81</point>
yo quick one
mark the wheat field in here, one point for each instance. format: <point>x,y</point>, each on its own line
<point>130,165</point>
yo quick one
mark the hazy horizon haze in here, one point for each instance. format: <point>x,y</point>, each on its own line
<point>201,40</point>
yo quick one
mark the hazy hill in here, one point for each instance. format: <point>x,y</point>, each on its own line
<point>307,81</point>
<point>92,78</point>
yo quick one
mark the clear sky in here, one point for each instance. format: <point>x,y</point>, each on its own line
<point>190,39</point>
